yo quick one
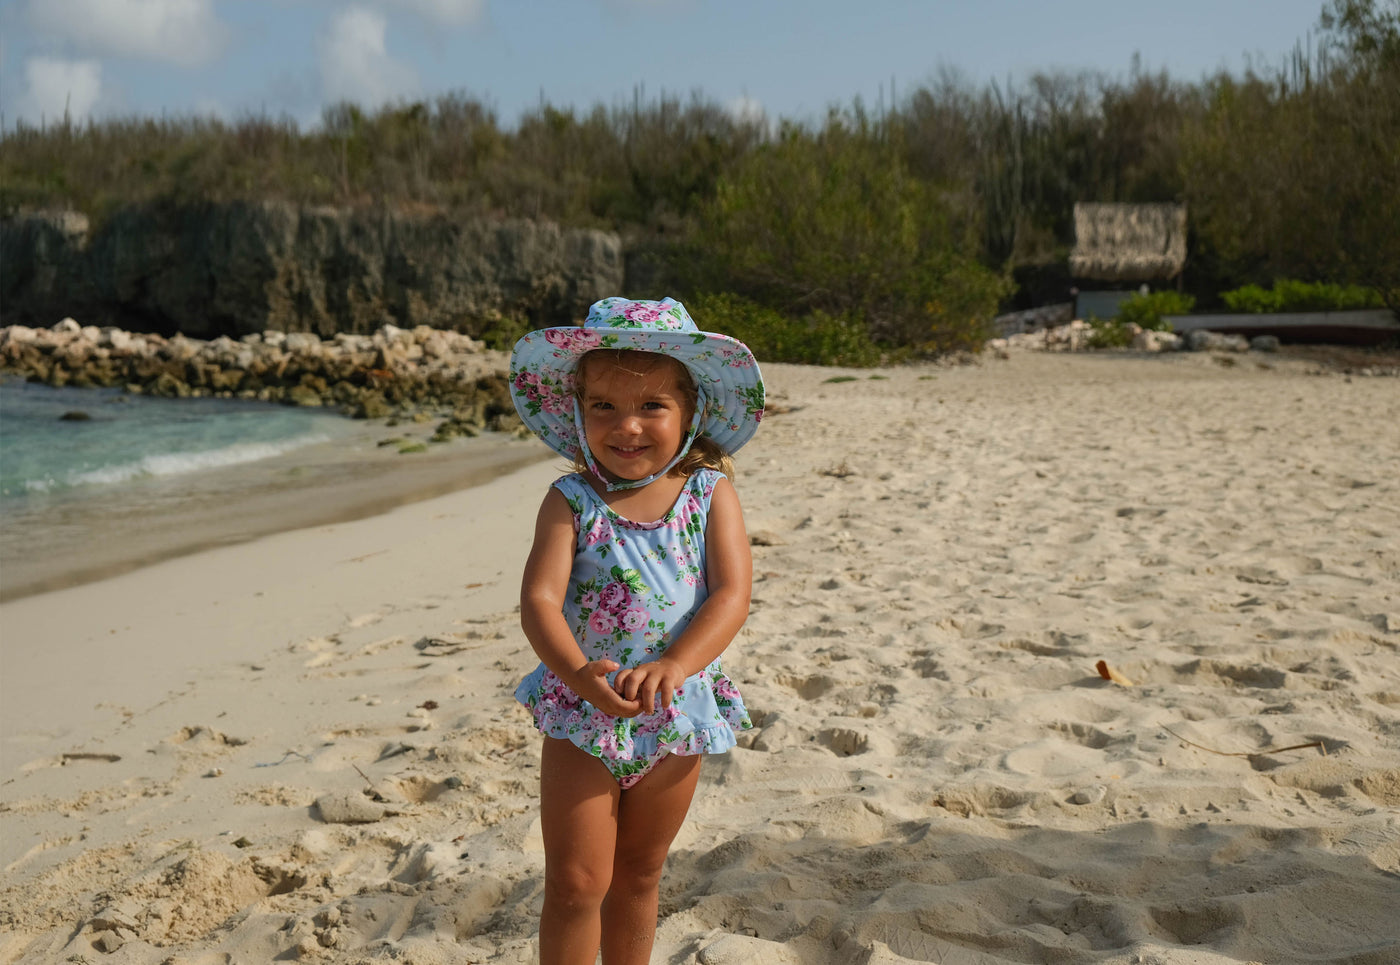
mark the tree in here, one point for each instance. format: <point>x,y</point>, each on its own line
<point>1297,174</point>
<point>834,222</point>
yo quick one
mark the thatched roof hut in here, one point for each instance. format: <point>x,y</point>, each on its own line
<point>1128,242</point>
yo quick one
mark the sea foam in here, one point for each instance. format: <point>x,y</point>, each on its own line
<point>175,464</point>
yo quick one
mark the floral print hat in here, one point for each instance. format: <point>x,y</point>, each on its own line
<point>726,374</point>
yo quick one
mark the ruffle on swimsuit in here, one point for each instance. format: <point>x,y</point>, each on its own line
<point>632,746</point>
<point>633,588</point>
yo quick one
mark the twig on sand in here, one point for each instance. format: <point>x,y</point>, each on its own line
<point>361,559</point>
<point>374,794</point>
<point>1320,745</point>
<point>284,759</point>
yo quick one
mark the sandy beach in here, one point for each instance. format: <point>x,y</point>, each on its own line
<point>304,747</point>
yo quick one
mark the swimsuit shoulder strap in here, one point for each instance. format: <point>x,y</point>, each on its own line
<point>702,484</point>
<point>578,494</point>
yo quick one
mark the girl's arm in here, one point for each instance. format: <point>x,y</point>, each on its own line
<point>729,577</point>
<point>542,591</point>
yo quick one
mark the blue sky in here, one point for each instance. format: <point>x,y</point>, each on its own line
<point>784,58</point>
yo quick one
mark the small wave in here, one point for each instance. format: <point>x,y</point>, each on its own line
<point>174,464</point>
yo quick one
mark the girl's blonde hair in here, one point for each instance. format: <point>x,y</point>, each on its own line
<point>704,452</point>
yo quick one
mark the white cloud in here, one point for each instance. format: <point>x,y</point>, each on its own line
<point>449,12</point>
<point>53,87</point>
<point>355,63</point>
<point>746,110</point>
<point>182,32</point>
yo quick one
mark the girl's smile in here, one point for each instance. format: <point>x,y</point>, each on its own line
<point>635,414</point>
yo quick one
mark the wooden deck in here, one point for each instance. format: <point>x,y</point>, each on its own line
<point>1368,327</point>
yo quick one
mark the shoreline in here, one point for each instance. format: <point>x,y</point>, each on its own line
<point>332,482</point>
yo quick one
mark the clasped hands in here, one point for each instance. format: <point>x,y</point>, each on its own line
<point>634,691</point>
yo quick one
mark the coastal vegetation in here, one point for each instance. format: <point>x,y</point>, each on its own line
<point>1288,295</point>
<point>1149,310</point>
<point>1145,311</point>
<point>899,229</point>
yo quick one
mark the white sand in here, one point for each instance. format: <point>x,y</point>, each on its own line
<point>938,774</point>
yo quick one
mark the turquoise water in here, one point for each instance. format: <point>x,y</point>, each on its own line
<point>130,438</point>
<point>141,478</point>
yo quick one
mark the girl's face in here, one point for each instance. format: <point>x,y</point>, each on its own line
<point>635,413</point>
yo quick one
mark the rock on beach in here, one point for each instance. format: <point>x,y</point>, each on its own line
<point>394,371</point>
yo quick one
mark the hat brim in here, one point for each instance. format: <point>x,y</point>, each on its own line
<point>543,363</point>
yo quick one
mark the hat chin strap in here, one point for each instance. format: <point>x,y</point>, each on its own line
<point>690,436</point>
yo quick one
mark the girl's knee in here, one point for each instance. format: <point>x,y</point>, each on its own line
<point>577,886</point>
<point>637,879</point>
<point>637,869</point>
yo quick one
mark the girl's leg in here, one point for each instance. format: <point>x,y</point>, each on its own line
<point>650,814</point>
<point>578,817</point>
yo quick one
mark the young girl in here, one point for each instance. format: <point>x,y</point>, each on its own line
<point>637,581</point>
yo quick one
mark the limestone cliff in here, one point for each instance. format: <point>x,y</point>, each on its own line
<point>232,269</point>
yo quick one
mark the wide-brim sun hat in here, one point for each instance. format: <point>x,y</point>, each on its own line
<point>543,364</point>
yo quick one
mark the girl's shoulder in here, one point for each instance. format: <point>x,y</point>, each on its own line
<point>702,482</point>
<point>576,491</point>
<point>570,483</point>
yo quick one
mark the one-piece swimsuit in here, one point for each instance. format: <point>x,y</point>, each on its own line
<point>633,589</point>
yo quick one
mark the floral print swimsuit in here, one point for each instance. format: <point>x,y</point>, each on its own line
<point>633,589</point>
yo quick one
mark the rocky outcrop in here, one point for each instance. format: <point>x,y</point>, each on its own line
<point>395,372</point>
<point>210,270</point>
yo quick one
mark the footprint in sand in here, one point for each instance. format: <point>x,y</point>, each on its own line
<point>322,651</point>
<point>844,741</point>
<point>203,740</point>
<point>806,687</point>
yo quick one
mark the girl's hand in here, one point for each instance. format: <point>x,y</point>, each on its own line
<point>591,683</point>
<point>649,681</point>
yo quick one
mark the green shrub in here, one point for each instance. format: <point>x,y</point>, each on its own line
<point>817,339</point>
<point>503,331</point>
<point>1300,296</point>
<point>1250,299</point>
<point>832,226</point>
<point>1147,311</point>
<point>1109,333</point>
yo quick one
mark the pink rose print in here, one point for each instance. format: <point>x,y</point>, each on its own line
<point>616,596</point>
<point>589,600</point>
<point>555,398</point>
<point>573,340</point>
<point>642,314</point>
<point>601,621</point>
<point>724,687</point>
<point>634,619</point>
<point>656,723</point>
<point>599,532</point>
<point>556,403</point>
